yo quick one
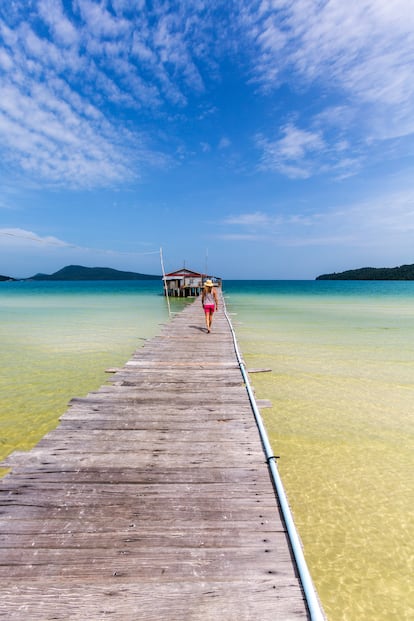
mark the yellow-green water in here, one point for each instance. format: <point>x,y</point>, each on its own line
<point>342,388</point>
<point>57,340</point>
<point>342,392</point>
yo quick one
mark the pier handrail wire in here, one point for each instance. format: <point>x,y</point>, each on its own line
<point>311,598</point>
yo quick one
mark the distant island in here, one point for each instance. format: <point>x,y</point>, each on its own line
<point>78,272</point>
<point>404,272</point>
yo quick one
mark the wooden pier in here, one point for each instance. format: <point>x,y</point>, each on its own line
<point>152,499</point>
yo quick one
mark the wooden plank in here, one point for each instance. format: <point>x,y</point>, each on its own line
<point>128,601</point>
<point>151,499</point>
<point>230,476</point>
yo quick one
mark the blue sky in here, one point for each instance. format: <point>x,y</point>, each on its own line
<point>257,139</point>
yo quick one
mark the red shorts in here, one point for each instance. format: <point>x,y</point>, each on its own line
<point>209,308</point>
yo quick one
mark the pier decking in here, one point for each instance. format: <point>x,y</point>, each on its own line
<point>152,498</point>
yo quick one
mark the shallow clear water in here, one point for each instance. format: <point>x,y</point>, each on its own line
<point>56,341</point>
<point>342,388</point>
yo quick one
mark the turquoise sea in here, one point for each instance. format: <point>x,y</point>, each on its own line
<point>342,416</point>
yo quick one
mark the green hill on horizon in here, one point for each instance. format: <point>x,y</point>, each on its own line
<point>78,272</point>
<point>403,272</point>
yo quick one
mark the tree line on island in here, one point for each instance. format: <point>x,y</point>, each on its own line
<point>78,272</point>
<point>403,272</point>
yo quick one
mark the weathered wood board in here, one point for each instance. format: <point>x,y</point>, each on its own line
<point>152,499</point>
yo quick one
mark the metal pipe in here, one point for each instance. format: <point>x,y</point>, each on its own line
<point>165,284</point>
<point>312,601</point>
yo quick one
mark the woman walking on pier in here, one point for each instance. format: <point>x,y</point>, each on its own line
<point>209,300</point>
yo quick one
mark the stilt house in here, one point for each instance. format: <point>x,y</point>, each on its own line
<point>186,283</point>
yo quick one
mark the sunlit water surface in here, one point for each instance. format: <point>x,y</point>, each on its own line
<point>342,389</point>
<point>57,340</point>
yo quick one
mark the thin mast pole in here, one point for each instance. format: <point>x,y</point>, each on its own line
<point>165,284</point>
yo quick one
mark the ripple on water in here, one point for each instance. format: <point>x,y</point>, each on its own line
<point>342,420</point>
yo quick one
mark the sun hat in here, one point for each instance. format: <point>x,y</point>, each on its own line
<point>208,283</point>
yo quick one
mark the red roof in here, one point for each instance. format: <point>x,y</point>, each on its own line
<point>182,273</point>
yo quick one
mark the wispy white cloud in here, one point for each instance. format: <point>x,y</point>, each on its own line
<point>44,135</point>
<point>99,21</point>
<point>361,48</point>
<point>224,143</point>
<point>26,248</point>
<point>373,229</point>
<point>51,11</point>
<point>89,80</point>
<point>356,57</point>
<point>240,236</point>
<point>296,143</point>
<point>293,154</point>
<point>300,153</point>
<point>61,130</point>
<point>18,238</point>
<point>257,218</point>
